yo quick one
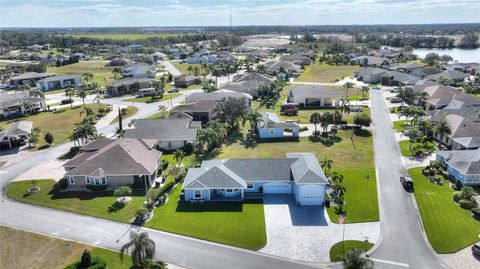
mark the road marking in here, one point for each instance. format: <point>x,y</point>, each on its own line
<point>390,262</point>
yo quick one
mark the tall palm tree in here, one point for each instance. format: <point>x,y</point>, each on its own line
<point>315,119</point>
<point>253,117</point>
<point>262,69</point>
<point>337,178</point>
<point>347,86</point>
<point>442,128</point>
<point>207,137</point>
<point>35,92</point>
<point>69,92</point>
<point>82,93</point>
<point>364,89</point>
<point>141,249</point>
<point>326,164</point>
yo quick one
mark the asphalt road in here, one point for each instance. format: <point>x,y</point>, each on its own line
<point>402,242</point>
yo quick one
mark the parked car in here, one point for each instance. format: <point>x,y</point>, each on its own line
<point>395,100</point>
<point>476,249</point>
<point>395,90</point>
<point>376,88</point>
<point>355,109</point>
<point>407,182</point>
<point>173,90</point>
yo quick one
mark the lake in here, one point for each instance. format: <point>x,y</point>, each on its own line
<point>460,55</point>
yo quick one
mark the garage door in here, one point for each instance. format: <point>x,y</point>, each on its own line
<point>277,188</point>
<point>311,195</point>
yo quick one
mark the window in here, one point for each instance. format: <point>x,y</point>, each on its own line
<point>228,190</point>
<point>250,186</point>
<point>104,181</point>
<point>71,180</point>
<point>96,180</point>
<point>88,180</point>
<point>197,194</point>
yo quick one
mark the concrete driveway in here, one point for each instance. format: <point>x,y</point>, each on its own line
<point>305,233</point>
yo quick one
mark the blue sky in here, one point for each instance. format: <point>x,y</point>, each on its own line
<point>78,13</point>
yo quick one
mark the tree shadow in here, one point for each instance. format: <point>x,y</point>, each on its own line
<point>116,206</point>
<point>327,141</point>
<point>230,206</point>
<point>362,132</point>
<point>44,147</point>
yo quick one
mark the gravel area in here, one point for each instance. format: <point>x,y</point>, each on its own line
<point>462,259</point>
<point>305,233</point>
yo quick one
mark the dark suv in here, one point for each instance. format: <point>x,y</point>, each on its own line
<point>407,182</point>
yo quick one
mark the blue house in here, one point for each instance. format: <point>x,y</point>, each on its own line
<point>299,174</point>
<point>272,127</point>
<point>463,165</point>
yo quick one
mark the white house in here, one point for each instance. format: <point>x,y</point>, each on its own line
<point>59,82</point>
<point>315,95</point>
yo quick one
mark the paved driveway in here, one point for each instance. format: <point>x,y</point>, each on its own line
<point>303,233</point>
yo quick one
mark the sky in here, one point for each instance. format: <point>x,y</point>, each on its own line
<point>108,13</point>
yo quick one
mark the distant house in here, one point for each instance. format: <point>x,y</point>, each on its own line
<point>299,174</point>
<point>370,74</point>
<point>422,84</point>
<point>128,85</point>
<point>282,69</point>
<point>19,103</point>
<point>29,78</point>
<point>365,60</point>
<point>407,67</point>
<point>462,165</point>
<point>139,70</point>
<point>59,82</point>
<point>218,96</point>
<point>109,163</point>
<point>201,110</point>
<point>169,134</point>
<point>118,61</point>
<point>201,59</point>
<point>385,77</point>
<point>469,68</point>
<point>466,143</point>
<point>315,95</point>
<point>19,131</point>
<point>297,59</point>
<point>454,75</point>
<point>248,83</point>
<point>272,127</point>
<point>425,71</point>
<point>158,56</point>
<point>184,81</point>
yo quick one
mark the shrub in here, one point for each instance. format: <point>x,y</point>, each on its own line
<point>467,204</point>
<point>457,196</point>
<point>97,263</point>
<point>476,212</point>
<point>102,110</point>
<point>458,185</point>
<point>141,212</point>
<point>164,164</point>
<point>188,148</point>
<point>362,120</point>
<point>86,259</point>
<point>49,138</point>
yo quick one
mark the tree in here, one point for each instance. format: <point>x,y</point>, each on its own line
<point>122,191</point>
<point>82,93</point>
<point>326,164</point>
<point>354,260</point>
<point>347,86</point>
<point>141,249</point>
<point>431,59</point>
<point>230,111</point>
<point>362,120</point>
<point>178,156</point>
<point>315,119</point>
<point>87,111</point>
<point>34,136</point>
<point>326,119</point>
<point>364,89</point>
<point>86,259</point>
<point>442,128</point>
<point>116,72</point>
<point>48,138</point>
<point>254,118</point>
<point>69,92</point>
<point>35,92</point>
<point>262,69</point>
<point>469,40</point>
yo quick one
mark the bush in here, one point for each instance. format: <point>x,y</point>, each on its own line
<point>96,187</point>
<point>97,263</point>
<point>102,110</point>
<point>476,212</point>
<point>188,148</point>
<point>457,196</point>
<point>141,212</point>
<point>164,165</point>
<point>467,204</point>
<point>49,138</point>
<point>362,120</point>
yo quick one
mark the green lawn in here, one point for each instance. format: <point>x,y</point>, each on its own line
<point>60,124</point>
<point>449,228</point>
<point>183,67</point>
<point>92,204</point>
<point>233,223</point>
<point>399,125</point>
<point>337,250</point>
<point>322,72</point>
<point>361,196</point>
<point>21,249</point>
<point>132,110</point>
<point>147,99</point>
<point>100,71</point>
<point>405,147</point>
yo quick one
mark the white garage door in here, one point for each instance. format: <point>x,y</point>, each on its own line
<point>277,188</point>
<point>311,195</point>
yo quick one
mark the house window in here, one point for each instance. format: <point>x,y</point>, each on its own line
<point>197,194</point>
<point>228,190</point>
<point>88,180</point>
<point>71,180</point>
<point>250,186</point>
<point>104,181</point>
<point>169,144</point>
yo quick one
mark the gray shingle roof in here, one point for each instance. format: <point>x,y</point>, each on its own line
<point>163,130</point>
<point>271,120</point>
<point>315,91</point>
<point>307,169</point>
<point>198,106</point>
<point>468,142</point>
<point>16,98</point>
<point>451,74</point>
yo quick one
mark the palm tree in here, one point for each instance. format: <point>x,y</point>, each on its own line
<point>82,93</point>
<point>354,260</point>
<point>254,117</point>
<point>339,189</point>
<point>219,128</point>
<point>35,92</point>
<point>262,69</point>
<point>87,77</point>
<point>178,156</point>
<point>208,137</point>
<point>189,69</point>
<point>442,128</point>
<point>141,248</point>
<point>87,111</point>
<point>315,119</point>
<point>116,72</point>
<point>364,89</point>
<point>326,164</point>
<point>69,92</point>
<point>347,86</point>
<point>337,178</point>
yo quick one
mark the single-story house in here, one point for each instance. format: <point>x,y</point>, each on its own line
<point>184,81</point>
<point>139,70</point>
<point>460,125</point>
<point>407,67</point>
<point>128,85</point>
<point>299,174</point>
<point>297,59</point>
<point>315,95</point>
<point>466,143</point>
<point>201,110</point>
<point>454,75</point>
<point>462,165</point>
<point>248,83</point>
<point>169,134</point>
<point>158,56</point>
<point>366,60</point>
<point>17,132</point>
<point>385,77</point>
<point>31,78</point>
<point>59,82</point>
<point>425,71</point>
<point>219,95</point>
<point>370,74</point>
<point>281,69</point>
<point>19,103</point>
<point>112,163</point>
<point>272,127</point>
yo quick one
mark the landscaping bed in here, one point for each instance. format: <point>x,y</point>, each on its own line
<point>405,147</point>
<point>337,250</point>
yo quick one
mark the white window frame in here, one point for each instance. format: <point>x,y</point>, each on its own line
<point>71,180</point>
<point>195,194</point>
<point>228,190</point>
<point>96,181</point>
<point>103,180</point>
<point>88,180</point>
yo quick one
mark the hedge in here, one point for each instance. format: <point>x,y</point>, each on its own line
<point>97,263</point>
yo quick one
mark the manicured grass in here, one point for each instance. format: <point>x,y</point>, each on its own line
<point>132,110</point>
<point>170,158</point>
<point>337,251</point>
<point>123,36</point>
<point>60,124</point>
<point>405,147</point>
<point>100,71</point>
<point>322,72</point>
<point>147,99</point>
<point>449,228</point>
<point>183,67</point>
<point>233,223</point>
<point>21,249</point>
<point>92,204</point>
<point>361,196</point>
<point>157,115</point>
<point>399,125</point>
